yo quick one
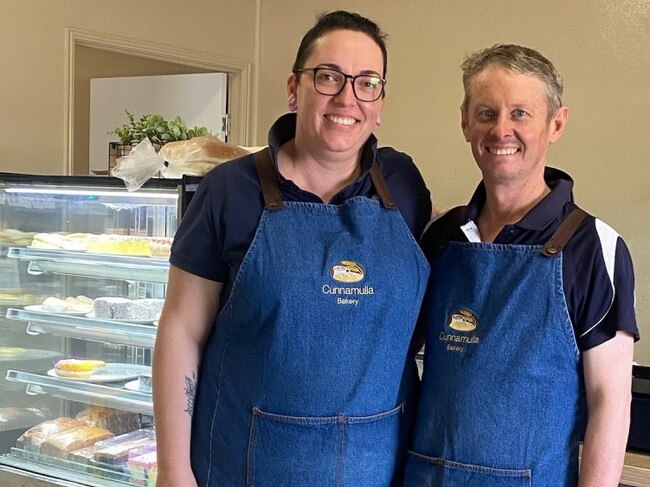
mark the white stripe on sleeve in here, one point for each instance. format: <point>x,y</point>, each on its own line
<point>608,238</point>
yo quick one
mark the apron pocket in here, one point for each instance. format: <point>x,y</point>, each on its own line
<point>375,447</point>
<point>323,451</point>
<point>425,471</point>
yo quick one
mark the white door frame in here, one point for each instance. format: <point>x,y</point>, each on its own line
<point>240,86</point>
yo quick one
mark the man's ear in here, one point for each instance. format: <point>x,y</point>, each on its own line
<point>558,123</point>
<point>463,123</point>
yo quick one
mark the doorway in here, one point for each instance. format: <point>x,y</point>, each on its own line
<point>93,55</point>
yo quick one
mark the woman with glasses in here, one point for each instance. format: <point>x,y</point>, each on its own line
<point>282,356</point>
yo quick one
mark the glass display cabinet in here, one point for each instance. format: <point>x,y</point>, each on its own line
<point>83,271</point>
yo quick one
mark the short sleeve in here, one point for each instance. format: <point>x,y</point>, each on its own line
<point>609,300</point>
<point>197,247</point>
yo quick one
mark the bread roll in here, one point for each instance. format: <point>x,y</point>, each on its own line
<point>197,156</point>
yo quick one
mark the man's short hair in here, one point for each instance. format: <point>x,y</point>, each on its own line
<point>516,58</point>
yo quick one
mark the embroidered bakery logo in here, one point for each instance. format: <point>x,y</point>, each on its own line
<point>462,321</point>
<point>347,271</point>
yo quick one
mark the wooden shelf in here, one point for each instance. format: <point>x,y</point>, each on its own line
<point>636,471</point>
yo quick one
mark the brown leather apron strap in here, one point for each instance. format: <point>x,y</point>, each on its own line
<point>268,180</point>
<point>381,187</point>
<point>563,234</point>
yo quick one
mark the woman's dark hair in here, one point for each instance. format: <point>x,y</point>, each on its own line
<point>339,20</point>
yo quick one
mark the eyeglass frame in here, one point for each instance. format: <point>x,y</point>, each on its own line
<point>346,78</point>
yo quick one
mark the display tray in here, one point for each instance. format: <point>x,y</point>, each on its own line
<point>135,322</point>
<point>42,309</point>
<point>135,386</point>
<point>114,372</point>
<point>119,474</point>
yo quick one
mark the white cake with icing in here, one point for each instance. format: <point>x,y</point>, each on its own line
<point>128,309</point>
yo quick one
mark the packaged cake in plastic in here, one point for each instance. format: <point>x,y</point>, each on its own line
<point>33,438</point>
<point>116,450</point>
<point>63,443</point>
<point>144,469</point>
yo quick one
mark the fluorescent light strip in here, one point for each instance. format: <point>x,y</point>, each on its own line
<point>88,192</point>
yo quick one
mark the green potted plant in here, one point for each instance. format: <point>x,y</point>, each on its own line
<point>157,129</point>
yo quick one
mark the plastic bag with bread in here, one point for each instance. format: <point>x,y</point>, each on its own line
<point>197,156</point>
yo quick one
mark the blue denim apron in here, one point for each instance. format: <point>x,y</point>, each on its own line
<point>307,377</point>
<point>501,398</point>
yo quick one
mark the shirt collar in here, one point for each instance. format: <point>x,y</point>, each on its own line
<point>542,213</point>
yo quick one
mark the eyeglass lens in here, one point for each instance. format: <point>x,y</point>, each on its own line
<point>331,82</point>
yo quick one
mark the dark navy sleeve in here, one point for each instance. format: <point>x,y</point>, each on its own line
<point>603,299</point>
<point>407,187</point>
<point>220,222</point>
<point>197,248</point>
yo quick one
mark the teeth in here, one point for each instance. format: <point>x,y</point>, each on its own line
<point>503,152</point>
<point>340,120</point>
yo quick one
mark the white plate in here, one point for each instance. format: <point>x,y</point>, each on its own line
<point>110,373</point>
<point>134,385</point>
<point>137,322</point>
<point>41,309</point>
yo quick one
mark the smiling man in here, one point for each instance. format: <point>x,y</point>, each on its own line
<point>529,314</point>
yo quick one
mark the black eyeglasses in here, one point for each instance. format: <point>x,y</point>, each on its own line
<point>328,81</point>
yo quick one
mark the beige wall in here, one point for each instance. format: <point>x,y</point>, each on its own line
<point>601,47</point>
<point>33,59</point>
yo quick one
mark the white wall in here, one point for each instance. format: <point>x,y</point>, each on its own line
<point>199,99</point>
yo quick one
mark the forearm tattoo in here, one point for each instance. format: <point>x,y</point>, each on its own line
<point>190,393</point>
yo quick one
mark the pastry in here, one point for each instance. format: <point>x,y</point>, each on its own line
<point>160,246</point>
<point>77,369</point>
<point>71,304</point>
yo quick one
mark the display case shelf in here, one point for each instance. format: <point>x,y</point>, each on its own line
<point>114,396</point>
<point>94,329</point>
<point>55,474</point>
<point>78,263</point>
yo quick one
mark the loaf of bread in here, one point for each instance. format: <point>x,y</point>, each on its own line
<point>197,156</point>
<point>114,420</point>
<point>33,438</point>
<point>63,443</point>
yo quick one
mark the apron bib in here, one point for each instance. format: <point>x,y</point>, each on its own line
<point>307,380</point>
<point>501,398</point>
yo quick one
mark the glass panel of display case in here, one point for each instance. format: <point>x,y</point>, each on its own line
<point>83,271</point>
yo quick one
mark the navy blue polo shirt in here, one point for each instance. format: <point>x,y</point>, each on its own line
<point>597,268</point>
<point>221,220</point>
